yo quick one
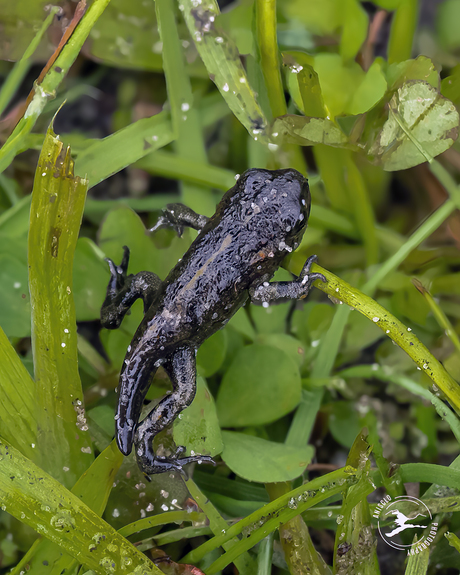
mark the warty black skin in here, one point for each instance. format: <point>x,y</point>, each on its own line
<point>256,224</point>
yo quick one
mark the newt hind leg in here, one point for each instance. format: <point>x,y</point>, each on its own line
<point>181,368</point>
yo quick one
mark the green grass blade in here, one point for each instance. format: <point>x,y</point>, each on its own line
<point>363,211</point>
<point>280,511</point>
<point>20,69</point>
<point>50,83</point>
<point>17,407</point>
<point>309,495</point>
<point>374,372</point>
<point>395,329</point>
<point>181,167</point>
<point>223,63</point>
<point>305,415</point>
<point>184,114</point>
<point>93,488</point>
<point>56,212</point>
<point>105,157</point>
<point>430,473</point>
<point>244,562</point>
<point>38,500</point>
<point>161,519</point>
<point>438,313</point>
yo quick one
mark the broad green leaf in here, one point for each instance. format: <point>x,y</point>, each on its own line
<point>14,222</point>
<point>338,81</point>
<point>344,423</point>
<point>261,385</point>
<point>58,199</point>
<point>321,17</point>
<point>241,323</point>
<point>257,459</point>
<point>14,295</point>
<point>123,227</point>
<point>17,408</point>
<point>419,119</point>
<point>307,131</point>
<point>422,68</point>
<point>290,345</point>
<point>311,322</point>
<point>369,92</point>
<point>38,500</point>
<point>270,319</point>
<point>450,86</point>
<point>90,279</point>
<point>346,88</point>
<point>127,37</point>
<point>354,28</point>
<point>360,333</point>
<point>211,354</point>
<point>197,426</point>
<point>223,64</point>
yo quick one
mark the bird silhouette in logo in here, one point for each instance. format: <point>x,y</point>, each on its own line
<point>402,522</point>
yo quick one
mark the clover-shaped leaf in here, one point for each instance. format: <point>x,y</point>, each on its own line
<point>421,124</point>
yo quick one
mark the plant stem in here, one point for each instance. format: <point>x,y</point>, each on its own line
<point>402,31</point>
<point>46,89</point>
<point>269,54</point>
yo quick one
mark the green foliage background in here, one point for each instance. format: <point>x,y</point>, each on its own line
<point>313,411</point>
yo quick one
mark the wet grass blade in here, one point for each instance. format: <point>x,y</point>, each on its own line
<point>41,502</point>
<point>184,113</point>
<point>93,488</point>
<point>56,211</point>
<point>17,407</point>
<point>222,61</point>
<point>105,157</point>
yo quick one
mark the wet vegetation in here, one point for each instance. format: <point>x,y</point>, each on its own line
<point>319,414</point>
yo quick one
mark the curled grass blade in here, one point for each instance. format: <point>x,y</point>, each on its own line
<point>56,211</point>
